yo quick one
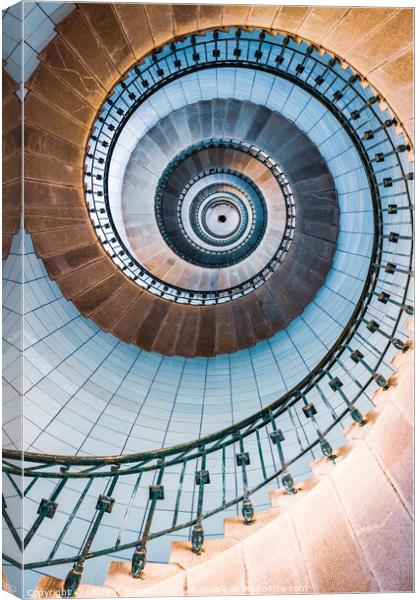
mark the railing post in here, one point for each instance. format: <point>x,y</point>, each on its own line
<point>156,492</point>
<point>46,508</point>
<point>242,460</point>
<point>276,438</point>
<point>104,505</point>
<point>310,411</point>
<point>336,384</point>
<point>357,357</point>
<point>373,326</point>
<point>202,478</point>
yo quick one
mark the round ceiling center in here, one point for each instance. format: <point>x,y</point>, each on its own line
<point>222,218</point>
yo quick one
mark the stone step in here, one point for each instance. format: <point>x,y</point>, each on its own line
<point>226,327</point>
<point>380,521</point>
<point>58,92</point>
<point>150,320</point>
<point>136,28</point>
<point>108,313</point>
<point>161,30</point>
<point>64,62</point>
<point>281,499</point>
<point>391,441</point>
<point>158,580</point>
<point>86,277</point>
<point>106,26</point>
<point>219,569</point>
<point>234,527</point>
<point>40,113</point>
<point>245,327</point>
<point>331,552</point>
<point>321,466</point>
<point>88,301</point>
<point>76,31</point>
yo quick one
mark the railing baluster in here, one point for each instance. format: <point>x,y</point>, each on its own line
<point>336,384</point>
<point>373,326</point>
<point>202,478</point>
<point>156,492</point>
<point>310,411</point>
<point>179,491</point>
<point>277,438</point>
<point>70,519</point>
<point>104,505</point>
<point>357,357</point>
<point>260,454</point>
<point>46,509</point>
<point>242,460</point>
<point>127,510</point>
<point>224,475</point>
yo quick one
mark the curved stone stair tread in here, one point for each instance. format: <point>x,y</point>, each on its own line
<point>61,264</point>
<point>85,277</point>
<point>134,22</point>
<point>166,340</point>
<point>89,300</point>
<point>62,60</point>
<point>226,329</point>
<point>107,314</point>
<point>147,308</point>
<point>53,218</point>
<point>122,328</point>
<point>245,328</point>
<point>389,435</point>
<point>152,319</point>
<point>79,35</point>
<point>159,580</point>
<point>44,168</point>
<point>206,338</point>
<point>270,307</point>
<point>41,113</point>
<point>161,29</point>
<point>104,21</point>
<point>186,343</point>
<point>40,193</point>
<point>234,528</point>
<point>43,143</point>
<point>60,94</point>
<point>56,242</point>
<point>261,326</point>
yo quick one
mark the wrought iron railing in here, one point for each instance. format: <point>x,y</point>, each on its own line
<point>257,449</point>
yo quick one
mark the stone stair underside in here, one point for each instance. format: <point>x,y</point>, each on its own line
<point>348,529</point>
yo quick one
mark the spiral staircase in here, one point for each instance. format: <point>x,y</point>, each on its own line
<point>217,272</point>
